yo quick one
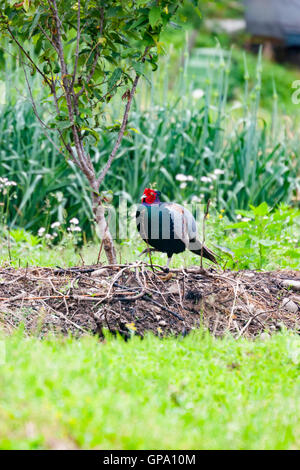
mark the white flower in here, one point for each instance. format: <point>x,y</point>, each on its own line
<point>6,182</point>
<point>245,219</point>
<point>74,228</point>
<point>48,236</point>
<point>218,172</point>
<point>198,93</point>
<point>74,221</point>
<point>183,178</point>
<point>55,224</point>
<point>239,217</point>
<point>41,231</point>
<point>211,187</point>
<point>182,185</point>
<point>180,177</point>
<point>205,179</point>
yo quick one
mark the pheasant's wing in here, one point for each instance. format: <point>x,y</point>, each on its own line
<point>185,229</point>
<point>184,224</point>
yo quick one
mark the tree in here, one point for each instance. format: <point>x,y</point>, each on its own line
<point>84,51</point>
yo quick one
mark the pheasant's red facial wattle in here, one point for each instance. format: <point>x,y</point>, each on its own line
<point>149,196</point>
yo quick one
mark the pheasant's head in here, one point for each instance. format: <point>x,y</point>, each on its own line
<point>151,196</point>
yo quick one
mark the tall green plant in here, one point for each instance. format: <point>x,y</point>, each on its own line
<point>193,148</point>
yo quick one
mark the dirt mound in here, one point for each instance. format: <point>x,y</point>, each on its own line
<point>136,298</point>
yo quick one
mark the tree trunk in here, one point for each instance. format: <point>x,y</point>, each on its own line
<point>103,229</point>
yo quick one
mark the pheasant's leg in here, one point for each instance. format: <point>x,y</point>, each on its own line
<point>166,270</point>
<point>168,262</point>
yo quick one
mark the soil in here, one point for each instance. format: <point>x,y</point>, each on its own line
<point>138,298</point>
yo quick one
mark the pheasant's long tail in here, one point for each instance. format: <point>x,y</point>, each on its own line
<point>208,254</point>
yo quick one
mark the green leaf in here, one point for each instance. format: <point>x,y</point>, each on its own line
<point>92,132</point>
<point>35,22</point>
<point>86,111</point>
<point>155,17</point>
<point>140,70</point>
<point>261,210</point>
<point>97,94</point>
<point>63,125</point>
<point>139,22</point>
<point>292,253</point>
<point>139,67</point>
<point>113,79</point>
<point>26,5</point>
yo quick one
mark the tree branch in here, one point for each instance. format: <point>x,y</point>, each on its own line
<point>123,126</point>
<point>84,160</point>
<point>77,46</point>
<point>48,37</point>
<point>44,126</point>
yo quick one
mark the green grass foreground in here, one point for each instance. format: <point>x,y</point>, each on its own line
<point>190,393</point>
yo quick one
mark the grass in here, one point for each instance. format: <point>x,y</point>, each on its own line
<point>261,239</point>
<point>193,393</point>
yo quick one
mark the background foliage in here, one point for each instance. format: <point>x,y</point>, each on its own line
<point>230,154</point>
